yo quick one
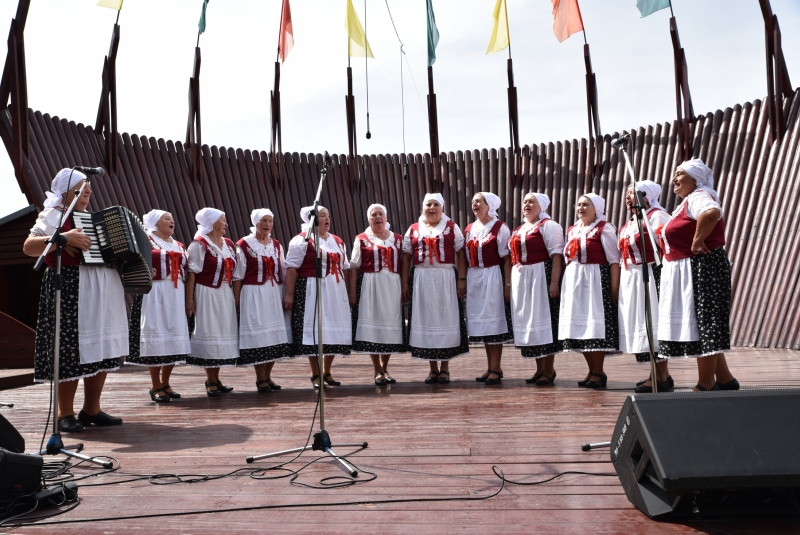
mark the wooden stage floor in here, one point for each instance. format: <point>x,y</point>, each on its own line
<point>424,442</point>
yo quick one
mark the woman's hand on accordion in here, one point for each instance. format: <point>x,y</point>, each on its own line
<point>77,239</point>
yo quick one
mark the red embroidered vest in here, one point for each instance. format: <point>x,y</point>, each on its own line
<point>216,268</point>
<point>679,234</point>
<point>531,249</point>
<point>632,252</point>
<point>68,258</point>
<point>375,257</point>
<point>333,261</point>
<point>168,264</point>
<point>594,253</point>
<point>261,269</point>
<point>483,253</point>
<point>441,247</point>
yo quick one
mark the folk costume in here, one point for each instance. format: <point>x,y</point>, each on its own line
<point>159,332</point>
<point>378,326</point>
<point>695,303</point>
<point>215,339</point>
<point>264,327</point>
<point>337,326</point>
<point>587,315</point>
<point>488,314</point>
<point>94,322</point>
<point>534,312</point>
<point>438,330</point>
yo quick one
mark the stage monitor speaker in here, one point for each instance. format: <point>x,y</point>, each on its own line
<point>20,474</point>
<point>710,453</point>
<point>10,438</point>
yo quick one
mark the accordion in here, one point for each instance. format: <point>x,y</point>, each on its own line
<point>118,240</point>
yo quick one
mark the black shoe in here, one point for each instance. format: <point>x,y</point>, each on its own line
<point>263,386</point>
<point>389,379</point>
<point>536,377</point>
<point>482,378</point>
<point>212,393</point>
<point>101,419</point>
<point>442,379</point>
<point>328,378</point>
<point>583,383</point>
<point>315,381</point>
<point>159,399</point>
<point>670,382</point>
<point>224,389</point>
<point>380,380</point>
<point>173,395</point>
<point>490,381</point>
<point>432,379</point>
<point>733,384</point>
<point>547,381</point>
<point>660,387</point>
<point>70,424</point>
<point>598,384</point>
<point>273,385</point>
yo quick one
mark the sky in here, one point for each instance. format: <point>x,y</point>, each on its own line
<point>66,41</point>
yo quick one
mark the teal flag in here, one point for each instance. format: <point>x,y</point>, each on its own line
<point>648,7</point>
<point>433,34</point>
<point>202,24</point>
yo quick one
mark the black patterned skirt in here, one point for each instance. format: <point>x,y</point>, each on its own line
<point>134,333</point>
<point>556,346</point>
<point>69,366</point>
<point>711,285</point>
<point>438,353</point>
<point>610,344</point>
<point>375,348</point>
<point>298,319</point>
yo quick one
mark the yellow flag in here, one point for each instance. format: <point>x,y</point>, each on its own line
<point>500,38</point>
<point>357,44</point>
<point>113,4</point>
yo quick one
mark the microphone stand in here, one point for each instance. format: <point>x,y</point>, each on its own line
<point>322,440</point>
<point>642,223</point>
<point>55,445</point>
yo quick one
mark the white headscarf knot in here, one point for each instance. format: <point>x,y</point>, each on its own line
<point>652,192</point>
<point>151,218</point>
<point>493,201</point>
<point>256,216</point>
<point>64,180</point>
<point>699,171</point>
<point>206,217</point>
<point>305,215</point>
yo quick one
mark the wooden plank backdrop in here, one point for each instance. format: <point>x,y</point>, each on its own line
<point>756,177</point>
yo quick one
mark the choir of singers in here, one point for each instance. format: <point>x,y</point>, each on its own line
<point>430,292</point>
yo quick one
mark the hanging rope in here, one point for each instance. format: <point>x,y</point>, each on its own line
<point>366,68</point>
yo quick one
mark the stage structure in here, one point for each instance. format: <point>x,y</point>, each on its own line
<point>755,158</point>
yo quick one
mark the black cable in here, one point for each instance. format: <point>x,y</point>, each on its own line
<point>495,469</point>
<point>529,483</point>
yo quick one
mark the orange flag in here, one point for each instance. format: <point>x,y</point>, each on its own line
<point>286,36</point>
<point>567,18</point>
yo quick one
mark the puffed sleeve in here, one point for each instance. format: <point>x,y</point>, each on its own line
<point>553,235</point>
<point>502,241</point>
<point>355,256</point>
<point>297,252</point>
<point>282,257</point>
<point>659,218</point>
<point>197,255</point>
<point>458,244</point>
<point>407,246</point>
<point>241,264</point>
<point>46,223</point>
<point>345,262</point>
<point>610,243</point>
<point>699,202</point>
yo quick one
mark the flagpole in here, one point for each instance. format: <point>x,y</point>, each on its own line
<point>280,27</point>
<point>671,13</point>
<point>508,29</point>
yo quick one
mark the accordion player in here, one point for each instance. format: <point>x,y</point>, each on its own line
<point>119,240</point>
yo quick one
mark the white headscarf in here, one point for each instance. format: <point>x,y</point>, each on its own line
<point>305,215</point>
<point>493,201</point>
<point>652,192</point>
<point>438,198</point>
<point>386,225</point>
<point>151,218</point>
<point>544,203</point>
<point>61,184</point>
<point>256,216</point>
<point>702,175</point>
<point>599,204</point>
<point>206,217</point>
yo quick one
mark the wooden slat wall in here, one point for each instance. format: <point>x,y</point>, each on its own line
<point>755,178</point>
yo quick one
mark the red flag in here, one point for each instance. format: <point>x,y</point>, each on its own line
<point>567,15</point>
<point>286,37</point>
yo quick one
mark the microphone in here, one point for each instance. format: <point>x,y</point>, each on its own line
<point>405,171</point>
<point>326,159</point>
<point>88,171</point>
<point>621,140</point>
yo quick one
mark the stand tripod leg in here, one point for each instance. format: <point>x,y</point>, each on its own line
<point>276,453</point>
<point>67,450</point>
<point>347,467</point>
<point>587,447</point>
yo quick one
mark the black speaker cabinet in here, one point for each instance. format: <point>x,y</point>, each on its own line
<point>10,438</point>
<point>712,453</point>
<point>19,473</point>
